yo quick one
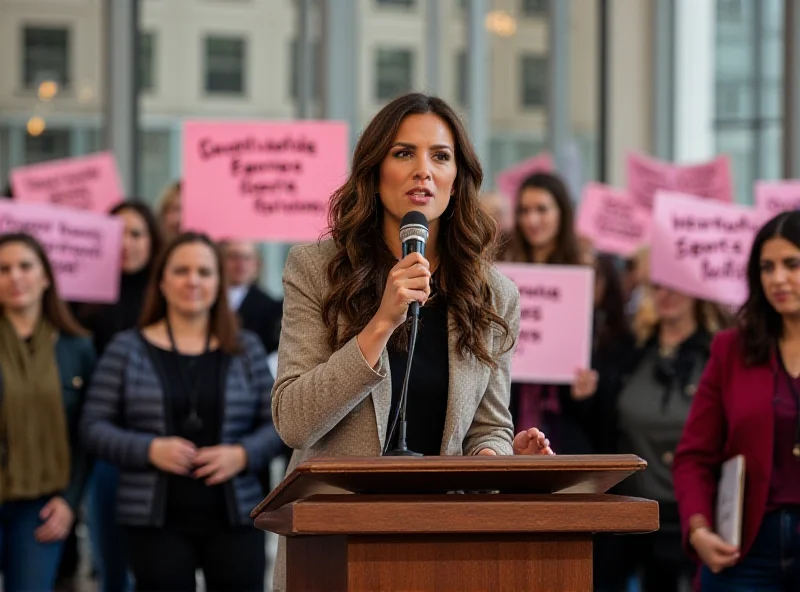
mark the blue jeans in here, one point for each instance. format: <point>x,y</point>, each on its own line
<point>771,565</point>
<point>105,535</point>
<point>27,565</point>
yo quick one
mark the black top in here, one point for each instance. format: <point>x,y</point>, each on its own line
<point>106,320</point>
<point>428,383</point>
<point>189,498</point>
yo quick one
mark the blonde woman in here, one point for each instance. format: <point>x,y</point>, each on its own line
<point>673,337</point>
<point>169,211</point>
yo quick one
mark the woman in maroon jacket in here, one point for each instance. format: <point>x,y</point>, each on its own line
<point>747,403</point>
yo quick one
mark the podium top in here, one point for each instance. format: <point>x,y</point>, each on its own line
<point>445,474</point>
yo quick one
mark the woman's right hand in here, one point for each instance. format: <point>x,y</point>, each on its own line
<point>408,281</point>
<point>712,550</point>
<point>172,455</point>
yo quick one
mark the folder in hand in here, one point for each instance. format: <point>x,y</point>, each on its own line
<point>730,501</point>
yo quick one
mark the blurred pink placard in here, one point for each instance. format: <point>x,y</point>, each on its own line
<point>710,179</point>
<point>86,182</point>
<point>774,197</point>
<point>509,180</point>
<point>613,220</point>
<point>84,247</point>
<point>556,304</point>
<point>700,247</point>
<point>265,181</point>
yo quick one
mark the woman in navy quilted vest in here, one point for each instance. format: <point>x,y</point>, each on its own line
<point>182,406</point>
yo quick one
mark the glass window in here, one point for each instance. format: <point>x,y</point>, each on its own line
<point>533,8</point>
<point>749,80</point>
<point>730,10</point>
<point>154,163</point>
<point>533,81</point>
<point>225,65</point>
<point>462,96</point>
<point>147,49</point>
<point>394,73</point>
<point>407,4</point>
<point>294,68</point>
<point>46,54</point>
<point>48,145</point>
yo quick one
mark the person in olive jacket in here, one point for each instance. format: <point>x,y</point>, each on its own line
<point>46,359</point>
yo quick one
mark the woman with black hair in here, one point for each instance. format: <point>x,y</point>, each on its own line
<point>747,403</point>
<point>141,244</point>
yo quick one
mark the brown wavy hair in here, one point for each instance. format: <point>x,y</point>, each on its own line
<point>567,249</point>
<point>223,322</point>
<point>359,269</point>
<point>53,308</point>
<point>759,324</point>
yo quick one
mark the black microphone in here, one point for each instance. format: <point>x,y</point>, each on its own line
<point>413,236</point>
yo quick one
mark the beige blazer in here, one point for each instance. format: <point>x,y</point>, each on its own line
<point>327,403</point>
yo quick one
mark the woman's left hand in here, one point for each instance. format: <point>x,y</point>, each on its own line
<point>218,464</point>
<point>57,519</point>
<point>530,441</point>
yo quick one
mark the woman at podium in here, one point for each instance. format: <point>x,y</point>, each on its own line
<point>343,347</point>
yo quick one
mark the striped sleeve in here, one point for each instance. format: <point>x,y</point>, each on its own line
<point>101,428</point>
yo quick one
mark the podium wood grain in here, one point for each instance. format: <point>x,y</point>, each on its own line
<point>406,525</point>
<point>441,563</point>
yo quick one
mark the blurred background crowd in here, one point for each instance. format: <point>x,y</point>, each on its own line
<point>587,80</point>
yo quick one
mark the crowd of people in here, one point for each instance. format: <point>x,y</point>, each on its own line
<point>163,378</point>
<point>159,415</point>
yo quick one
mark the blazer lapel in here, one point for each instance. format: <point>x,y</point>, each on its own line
<point>465,373</point>
<point>382,399</point>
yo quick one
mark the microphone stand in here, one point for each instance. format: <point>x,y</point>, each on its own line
<point>401,449</point>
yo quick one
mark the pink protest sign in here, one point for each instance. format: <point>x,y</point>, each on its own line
<point>509,180</point>
<point>267,181</point>
<point>86,182</point>
<point>84,247</point>
<point>556,304</point>
<point>613,220</point>
<point>774,197</point>
<point>700,247</point>
<point>710,179</point>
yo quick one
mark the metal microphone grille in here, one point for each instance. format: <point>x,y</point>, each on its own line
<point>413,232</point>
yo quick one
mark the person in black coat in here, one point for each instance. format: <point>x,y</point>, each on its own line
<point>257,311</point>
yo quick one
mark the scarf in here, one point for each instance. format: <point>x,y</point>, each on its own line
<point>34,440</point>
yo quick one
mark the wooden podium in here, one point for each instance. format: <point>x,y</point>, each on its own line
<point>458,524</point>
